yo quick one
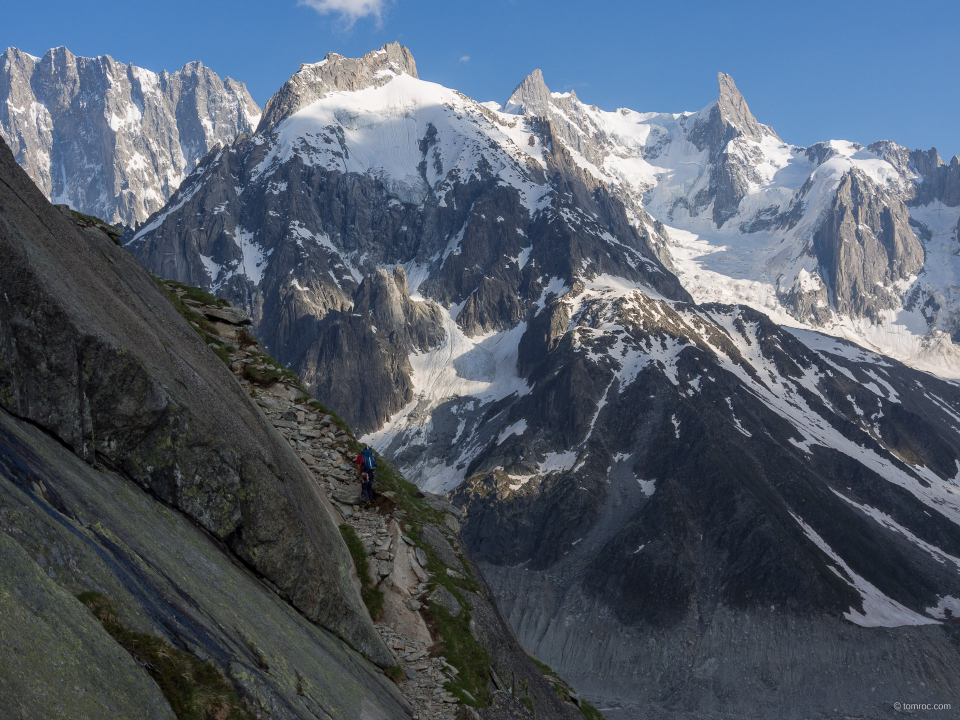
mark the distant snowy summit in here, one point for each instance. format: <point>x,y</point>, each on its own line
<point>855,241</point>
<point>858,242</point>
<point>110,139</point>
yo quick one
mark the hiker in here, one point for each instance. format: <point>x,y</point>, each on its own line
<point>366,464</point>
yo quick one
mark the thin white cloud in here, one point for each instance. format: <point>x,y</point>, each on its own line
<point>464,58</point>
<point>349,10</point>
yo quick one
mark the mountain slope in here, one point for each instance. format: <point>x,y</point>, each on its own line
<point>132,465</point>
<point>725,481</point>
<point>114,140</point>
<point>487,291</point>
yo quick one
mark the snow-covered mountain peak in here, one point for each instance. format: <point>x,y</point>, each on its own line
<point>336,73</point>
<point>739,204</point>
<point>738,214</point>
<point>530,97</point>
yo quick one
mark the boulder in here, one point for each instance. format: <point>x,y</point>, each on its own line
<point>452,523</point>
<point>421,556</point>
<point>432,535</point>
<point>445,599</point>
<point>347,497</point>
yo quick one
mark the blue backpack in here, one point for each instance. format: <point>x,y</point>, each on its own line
<point>369,461</point>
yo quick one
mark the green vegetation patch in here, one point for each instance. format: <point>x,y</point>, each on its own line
<point>406,495</point>
<point>220,348</point>
<point>337,420</point>
<point>195,690</point>
<point>197,320</point>
<point>589,711</point>
<point>264,371</point>
<point>245,338</point>
<point>372,597</point>
<point>462,651</point>
<point>563,690</point>
<point>198,295</point>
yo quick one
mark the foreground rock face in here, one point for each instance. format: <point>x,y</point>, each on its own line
<point>42,620</point>
<point>114,140</point>
<point>67,527</point>
<point>96,363</point>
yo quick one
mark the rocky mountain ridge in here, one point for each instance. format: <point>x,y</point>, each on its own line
<point>114,140</point>
<point>743,209</point>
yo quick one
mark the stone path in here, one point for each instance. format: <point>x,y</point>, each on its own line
<point>324,448</point>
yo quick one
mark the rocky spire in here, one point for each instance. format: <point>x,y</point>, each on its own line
<point>733,108</point>
<point>936,179</point>
<point>532,96</point>
<point>336,72</point>
<point>864,245</point>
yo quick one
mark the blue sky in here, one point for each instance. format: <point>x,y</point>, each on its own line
<point>814,70</point>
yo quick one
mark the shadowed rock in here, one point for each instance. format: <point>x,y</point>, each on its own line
<point>384,298</point>
<point>94,354</point>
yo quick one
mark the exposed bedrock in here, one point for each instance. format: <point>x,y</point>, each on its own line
<point>94,354</point>
<point>865,245</point>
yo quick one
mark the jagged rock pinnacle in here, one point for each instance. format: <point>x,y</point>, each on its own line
<point>733,108</point>
<point>530,96</point>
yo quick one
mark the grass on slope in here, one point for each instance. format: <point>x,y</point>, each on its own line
<point>203,327</point>
<point>456,642</point>
<point>195,690</point>
<point>372,597</point>
<point>264,371</point>
<point>563,690</point>
<point>462,651</point>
